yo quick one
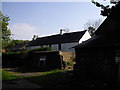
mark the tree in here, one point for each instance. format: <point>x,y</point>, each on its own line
<point>106,10</point>
<point>16,44</point>
<point>6,33</point>
<point>92,26</point>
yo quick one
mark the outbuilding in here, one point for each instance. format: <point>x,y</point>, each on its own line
<point>98,58</point>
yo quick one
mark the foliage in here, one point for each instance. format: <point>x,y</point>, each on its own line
<point>69,63</point>
<point>6,33</point>
<point>28,51</point>
<point>18,52</point>
<point>16,43</point>
<point>105,10</point>
<point>37,49</point>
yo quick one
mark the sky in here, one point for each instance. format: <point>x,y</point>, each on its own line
<point>47,18</point>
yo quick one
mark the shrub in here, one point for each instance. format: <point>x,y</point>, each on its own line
<point>69,63</point>
<point>27,51</point>
<point>20,58</point>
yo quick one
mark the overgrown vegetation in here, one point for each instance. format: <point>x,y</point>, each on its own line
<point>69,63</point>
<point>20,59</point>
<point>30,50</point>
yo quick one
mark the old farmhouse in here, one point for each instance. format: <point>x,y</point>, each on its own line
<point>60,42</point>
<point>98,58</point>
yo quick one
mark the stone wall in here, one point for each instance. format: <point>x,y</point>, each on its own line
<point>68,56</point>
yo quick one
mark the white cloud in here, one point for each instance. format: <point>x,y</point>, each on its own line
<point>23,31</point>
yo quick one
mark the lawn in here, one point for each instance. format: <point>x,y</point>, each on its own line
<point>52,79</point>
<point>49,79</point>
<point>8,76</point>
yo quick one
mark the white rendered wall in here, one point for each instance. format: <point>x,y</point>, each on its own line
<point>85,37</point>
<point>32,47</point>
<point>54,47</point>
<point>67,47</point>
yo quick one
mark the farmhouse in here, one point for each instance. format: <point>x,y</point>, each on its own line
<point>60,42</point>
<point>98,58</point>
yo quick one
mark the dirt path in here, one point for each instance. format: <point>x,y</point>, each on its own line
<point>22,83</point>
<point>18,73</point>
<point>19,84</point>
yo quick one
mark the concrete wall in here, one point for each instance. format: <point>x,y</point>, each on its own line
<point>68,56</point>
<point>85,37</point>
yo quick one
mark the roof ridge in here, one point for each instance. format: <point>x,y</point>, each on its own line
<point>60,34</point>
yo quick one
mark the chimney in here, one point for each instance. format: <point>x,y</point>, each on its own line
<point>62,31</point>
<point>35,37</point>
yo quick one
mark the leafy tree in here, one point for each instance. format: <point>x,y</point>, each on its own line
<point>105,10</point>
<point>16,43</point>
<point>6,33</point>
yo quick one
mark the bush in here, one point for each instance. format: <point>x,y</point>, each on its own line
<point>69,63</point>
<point>20,58</point>
<point>27,51</point>
<point>9,53</point>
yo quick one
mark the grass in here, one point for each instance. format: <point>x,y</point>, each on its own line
<point>52,79</point>
<point>50,72</point>
<point>8,76</point>
<point>69,63</point>
<point>49,79</point>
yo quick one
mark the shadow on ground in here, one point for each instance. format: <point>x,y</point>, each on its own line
<point>50,79</point>
<point>63,79</point>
